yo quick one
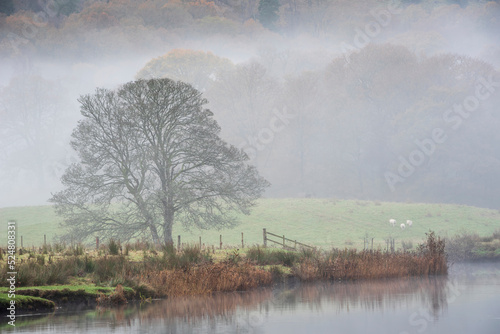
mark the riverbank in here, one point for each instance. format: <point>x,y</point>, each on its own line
<point>25,304</point>
<point>64,295</point>
<point>108,279</point>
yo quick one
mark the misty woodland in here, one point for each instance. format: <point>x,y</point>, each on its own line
<point>303,87</point>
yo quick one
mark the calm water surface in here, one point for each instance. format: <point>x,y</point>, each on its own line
<point>467,301</point>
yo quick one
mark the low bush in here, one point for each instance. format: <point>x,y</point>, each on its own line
<point>115,298</point>
<point>114,247</point>
<point>35,271</point>
<point>277,273</point>
<point>461,247</point>
<point>272,256</point>
<point>109,268</point>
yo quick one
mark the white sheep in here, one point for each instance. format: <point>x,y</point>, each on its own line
<point>403,226</point>
<point>392,222</point>
<point>409,222</point>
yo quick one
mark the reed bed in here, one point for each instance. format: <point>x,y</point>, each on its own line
<point>349,264</point>
<point>169,272</point>
<point>208,278</point>
<point>352,265</point>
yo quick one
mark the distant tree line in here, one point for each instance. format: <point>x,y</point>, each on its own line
<point>63,27</point>
<point>337,122</point>
<point>388,124</point>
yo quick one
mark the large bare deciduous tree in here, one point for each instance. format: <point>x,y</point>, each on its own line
<point>151,155</point>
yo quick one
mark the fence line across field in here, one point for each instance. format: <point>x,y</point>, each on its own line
<point>180,244</point>
<point>274,238</point>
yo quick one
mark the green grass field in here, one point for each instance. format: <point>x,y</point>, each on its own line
<point>318,222</point>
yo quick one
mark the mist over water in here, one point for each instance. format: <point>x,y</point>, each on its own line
<point>374,100</point>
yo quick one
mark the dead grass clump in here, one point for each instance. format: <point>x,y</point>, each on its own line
<point>349,264</point>
<point>272,256</point>
<point>36,271</point>
<point>108,268</point>
<point>208,278</point>
<point>115,298</point>
<point>306,270</point>
<point>496,234</point>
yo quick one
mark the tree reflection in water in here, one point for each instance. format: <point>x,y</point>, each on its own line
<point>245,311</point>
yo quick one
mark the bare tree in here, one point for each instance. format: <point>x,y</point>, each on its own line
<point>151,156</point>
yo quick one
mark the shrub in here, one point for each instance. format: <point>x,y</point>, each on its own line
<point>407,245</point>
<point>109,268</point>
<point>59,247</point>
<point>308,253</point>
<point>89,264</point>
<point>34,273</point>
<point>190,254</point>
<point>128,247</point>
<point>234,257</point>
<point>461,247</point>
<point>267,256</point>
<point>113,247</point>
<point>77,250</point>
<point>487,239</point>
<point>40,259</point>
<point>257,254</point>
<point>115,298</point>
<point>277,273</point>
<point>286,258</point>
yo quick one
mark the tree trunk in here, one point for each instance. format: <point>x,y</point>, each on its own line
<point>154,234</point>
<point>149,219</point>
<point>168,221</point>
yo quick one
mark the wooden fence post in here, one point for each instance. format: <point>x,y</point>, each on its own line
<point>45,240</point>
<point>179,242</point>
<point>242,242</point>
<point>220,244</point>
<point>97,243</point>
<point>283,241</point>
<point>265,239</point>
<point>200,242</point>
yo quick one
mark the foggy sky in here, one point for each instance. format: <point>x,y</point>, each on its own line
<point>307,156</point>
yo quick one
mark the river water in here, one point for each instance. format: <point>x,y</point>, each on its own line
<point>466,301</point>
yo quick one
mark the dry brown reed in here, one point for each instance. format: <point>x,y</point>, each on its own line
<point>207,278</point>
<point>116,298</point>
<point>350,264</point>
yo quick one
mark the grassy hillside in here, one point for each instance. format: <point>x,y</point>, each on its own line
<point>320,222</point>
